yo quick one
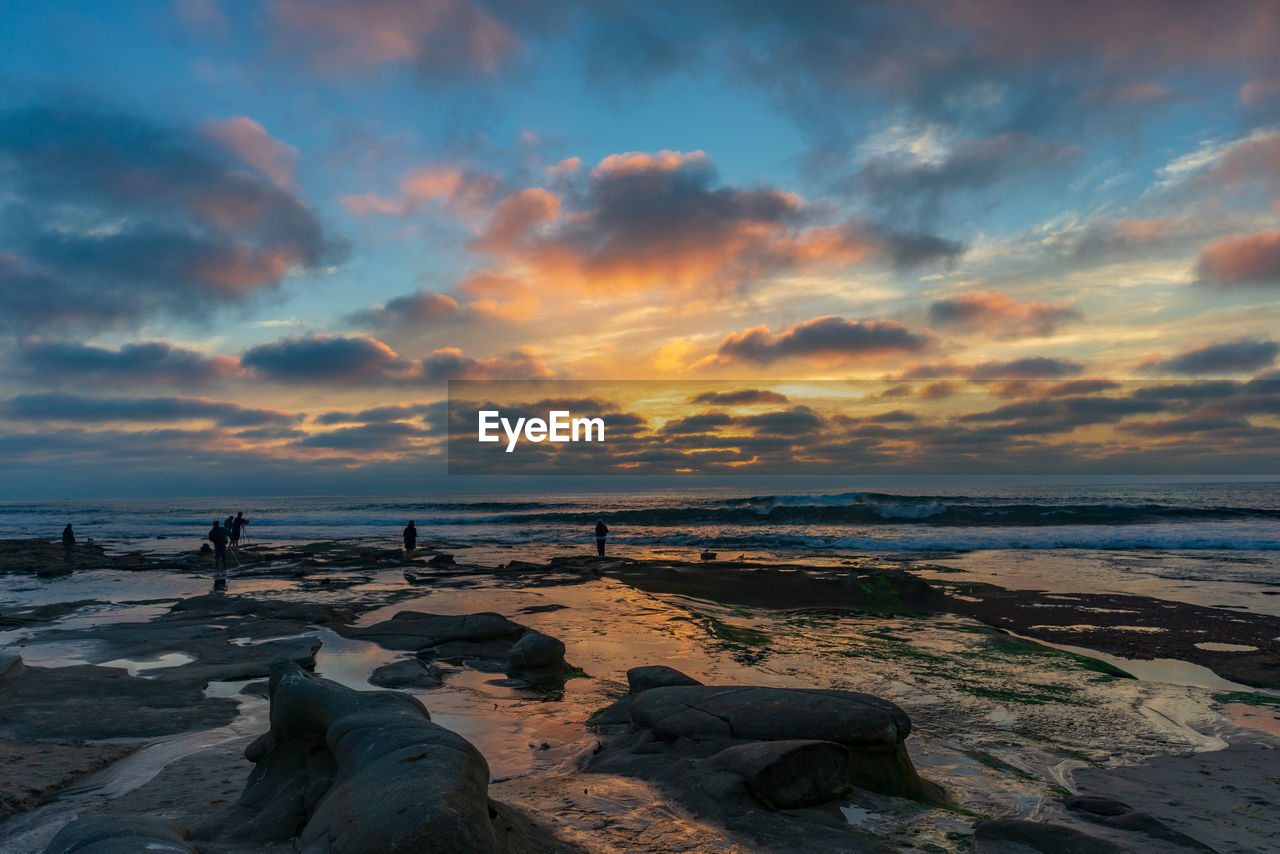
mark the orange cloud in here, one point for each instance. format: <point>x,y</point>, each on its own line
<point>659,221</point>
<point>1246,259</point>
<point>1000,315</point>
<point>453,187</point>
<point>497,297</point>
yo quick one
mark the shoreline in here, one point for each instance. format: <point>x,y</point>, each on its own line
<point>968,688</point>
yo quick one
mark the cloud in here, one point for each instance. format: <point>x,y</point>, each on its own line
<point>140,362</point>
<point>1000,315</point>
<point>434,412</point>
<point>359,359</point>
<point>70,407</point>
<point>901,178</point>
<point>455,188</point>
<point>110,219</point>
<point>438,37</point>
<point>391,435</point>
<point>450,363</point>
<point>1228,357</point>
<point>1243,260</point>
<point>1030,368</point>
<point>694,424</point>
<point>660,220</point>
<point>420,309</point>
<point>1027,368</point>
<point>251,143</point>
<point>740,397</point>
<point>829,338</point>
<point>327,358</point>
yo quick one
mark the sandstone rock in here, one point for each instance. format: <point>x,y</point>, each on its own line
<point>702,712</point>
<point>113,834</point>
<point>656,676</point>
<point>406,673</point>
<point>1037,837</point>
<point>485,641</point>
<point>788,774</point>
<point>1115,814</point>
<point>536,657</point>
<point>357,772</point>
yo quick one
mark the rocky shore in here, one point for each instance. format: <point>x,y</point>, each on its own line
<point>339,698</point>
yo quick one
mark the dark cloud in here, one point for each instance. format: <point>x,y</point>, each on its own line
<point>69,407</point>
<point>740,397</point>
<point>327,358</point>
<point>420,309</point>
<point>109,219</point>
<point>798,420</point>
<point>1228,357</point>
<point>833,338</point>
<point>380,414</point>
<point>386,436</point>
<point>1030,368</point>
<point>702,423</point>
<point>450,363</point>
<point>142,362</point>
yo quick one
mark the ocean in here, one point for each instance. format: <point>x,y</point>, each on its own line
<point>1176,517</point>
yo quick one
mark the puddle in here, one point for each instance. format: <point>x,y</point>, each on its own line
<point>1214,646</point>
<point>137,667</point>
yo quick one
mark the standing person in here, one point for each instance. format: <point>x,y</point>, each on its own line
<point>68,543</point>
<point>602,531</point>
<point>237,525</point>
<point>410,539</point>
<point>218,536</point>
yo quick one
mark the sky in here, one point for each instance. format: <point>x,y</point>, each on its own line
<point>244,244</point>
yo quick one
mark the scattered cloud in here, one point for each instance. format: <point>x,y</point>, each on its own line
<point>1000,316</point>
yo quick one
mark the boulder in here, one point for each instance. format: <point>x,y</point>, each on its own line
<point>357,772</point>
<point>114,834</point>
<point>536,657</point>
<point>707,713</point>
<point>656,676</point>
<point>1120,816</point>
<point>1039,837</point>
<point>486,641</point>
<point>406,673</point>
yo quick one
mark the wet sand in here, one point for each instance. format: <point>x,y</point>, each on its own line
<point>1009,727</point>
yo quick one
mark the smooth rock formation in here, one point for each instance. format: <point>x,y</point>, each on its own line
<point>113,834</point>
<point>1111,813</point>
<point>358,772</point>
<point>484,641</point>
<point>656,676</point>
<point>1039,837</point>
<point>727,751</point>
<point>406,673</point>
<point>84,701</point>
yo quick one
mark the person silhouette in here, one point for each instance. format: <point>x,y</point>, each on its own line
<point>602,531</point>
<point>410,538</point>
<point>68,543</point>
<point>237,526</point>
<point>218,536</point>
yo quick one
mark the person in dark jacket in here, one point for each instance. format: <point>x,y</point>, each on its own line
<point>602,531</point>
<point>218,536</point>
<point>410,538</point>
<point>237,527</point>
<point>68,543</point>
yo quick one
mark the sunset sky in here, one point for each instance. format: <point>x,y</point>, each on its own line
<point>244,243</point>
